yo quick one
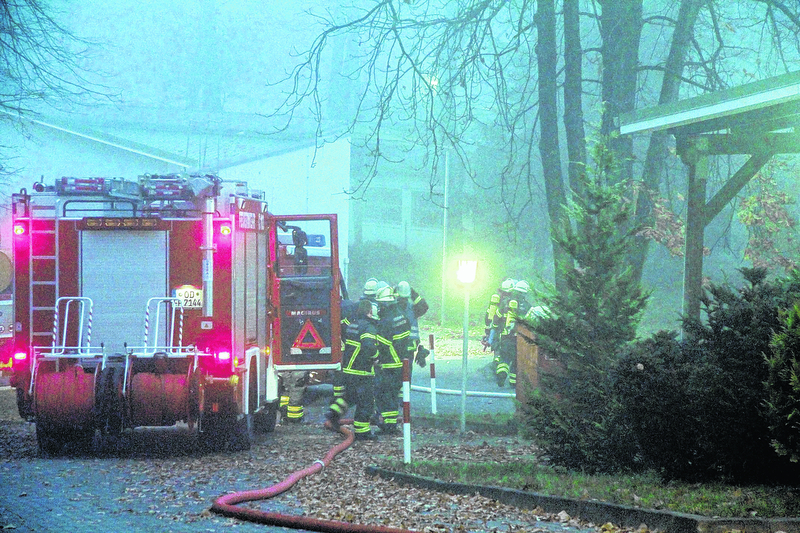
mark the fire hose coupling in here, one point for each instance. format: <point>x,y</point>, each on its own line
<point>320,463</point>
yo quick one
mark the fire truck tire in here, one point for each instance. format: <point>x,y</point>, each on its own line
<point>25,404</point>
<point>224,432</point>
<point>266,418</point>
<point>242,437</point>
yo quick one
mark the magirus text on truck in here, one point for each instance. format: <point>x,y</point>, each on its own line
<point>171,300</point>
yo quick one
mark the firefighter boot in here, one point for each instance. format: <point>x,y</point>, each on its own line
<point>283,406</point>
<point>362,430</point>
<point>368,436</point>
<point>295,414</point>
<point>502,374</point>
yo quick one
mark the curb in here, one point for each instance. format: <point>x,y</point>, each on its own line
<point>600,512</point>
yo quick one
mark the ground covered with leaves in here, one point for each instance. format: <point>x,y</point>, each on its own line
<point>161,480</point>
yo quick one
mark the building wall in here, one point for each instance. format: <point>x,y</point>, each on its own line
<point>396,206</point>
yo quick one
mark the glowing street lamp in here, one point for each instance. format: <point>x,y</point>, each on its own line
<point>466,275</point>
<point>466,272</point>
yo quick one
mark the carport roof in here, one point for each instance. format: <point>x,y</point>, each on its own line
<point>763,106</point>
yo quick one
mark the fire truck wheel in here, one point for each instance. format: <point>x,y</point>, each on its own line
<point>24,404</point>
<point>225,433</point>
<point>265,419</point>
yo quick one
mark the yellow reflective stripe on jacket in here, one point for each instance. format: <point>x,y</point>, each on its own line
<point>396,362</point>
<point>357,344</point>
<point>357,372</point>
<point>511,317</point>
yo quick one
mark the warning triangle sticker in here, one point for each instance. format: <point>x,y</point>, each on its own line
<point>316,341</point>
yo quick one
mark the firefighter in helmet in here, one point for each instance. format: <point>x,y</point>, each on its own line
<point>360,355</point>
<point>517,306</point>
<point>370,288</point>
<point>300,240</point>
<point>490,337</point>
<point>349,311</point>
<point>394,345</point>
<point>413,306</point>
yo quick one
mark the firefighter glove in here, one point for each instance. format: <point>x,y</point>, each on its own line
<point>422,354</point>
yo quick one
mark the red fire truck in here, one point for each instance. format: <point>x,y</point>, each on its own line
<point>169,300</point>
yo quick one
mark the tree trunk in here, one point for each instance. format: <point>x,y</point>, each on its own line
<point>573,100</point>
<point>547,55</point>
<point>621,31</point>
<point>658,149</point>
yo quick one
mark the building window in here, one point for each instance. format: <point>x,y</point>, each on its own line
<point>388,205</point>
<point>426,214</point>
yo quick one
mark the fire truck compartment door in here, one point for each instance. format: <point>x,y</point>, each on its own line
<point>120,271</point>
<point>306,326</point>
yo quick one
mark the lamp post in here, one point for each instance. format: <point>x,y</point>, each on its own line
<point>444,234</point>
<point>466,275</point>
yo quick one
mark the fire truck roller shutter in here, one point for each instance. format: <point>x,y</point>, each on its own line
<point>120,271</point>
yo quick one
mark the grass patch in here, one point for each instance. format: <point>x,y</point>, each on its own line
<point>494,423</point>
<point>645,491</point>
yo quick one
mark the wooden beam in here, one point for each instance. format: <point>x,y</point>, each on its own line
<point>734,185</point>
<point>746,143</point>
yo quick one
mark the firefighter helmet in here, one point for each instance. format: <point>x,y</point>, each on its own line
<point>507,285</point>
<point>385,295</point>
<point>370,287</point>
<point>403,290</point>
<point>522,286</point>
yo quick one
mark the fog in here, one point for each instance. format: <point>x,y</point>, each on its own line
<point>194,85</point>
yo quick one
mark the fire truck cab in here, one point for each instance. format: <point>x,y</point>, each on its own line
<point>172,299</point>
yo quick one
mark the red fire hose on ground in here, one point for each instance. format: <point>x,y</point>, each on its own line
<point>227,505</point>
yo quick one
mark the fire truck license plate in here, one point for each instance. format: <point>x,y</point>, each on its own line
<point>189,297</point>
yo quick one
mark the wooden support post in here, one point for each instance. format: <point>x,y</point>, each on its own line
<point>695,156</point>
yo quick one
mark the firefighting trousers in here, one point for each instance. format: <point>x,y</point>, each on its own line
<point>388,384</point>
<point>359,391</point>
<point>507,365</point>
<point>338,384</point>
<point>294,384</point>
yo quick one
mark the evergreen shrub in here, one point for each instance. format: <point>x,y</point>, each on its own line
<point>783,378</point>
<point>697,408</point>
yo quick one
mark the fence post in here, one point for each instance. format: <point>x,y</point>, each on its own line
<point>406,411</point>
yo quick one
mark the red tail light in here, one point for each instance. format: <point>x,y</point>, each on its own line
<point>19,357</point>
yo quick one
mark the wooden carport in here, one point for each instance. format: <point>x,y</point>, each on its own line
<point>760,119</point>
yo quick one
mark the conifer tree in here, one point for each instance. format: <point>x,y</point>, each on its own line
<point>589,323</point>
